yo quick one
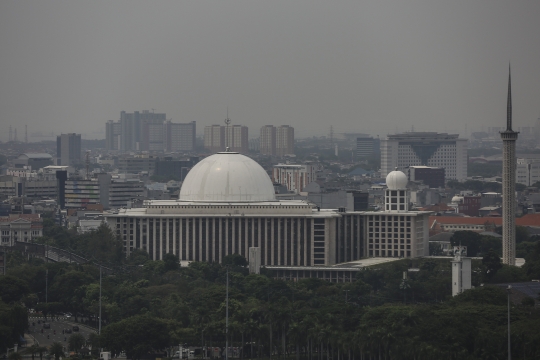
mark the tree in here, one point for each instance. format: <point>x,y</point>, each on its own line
<point>12,289</point>
<point>76,342</point>
<point>235,260</point>
<point>137,336</point>
<point>57,350</point>
<point>171,262</point>
<point>492,264</point>
<point>470,239</point>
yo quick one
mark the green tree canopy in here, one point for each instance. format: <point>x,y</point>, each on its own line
<point>12,289</point>
<point>137,336</point>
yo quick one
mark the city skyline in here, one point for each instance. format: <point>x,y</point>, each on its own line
<point>376,68</point>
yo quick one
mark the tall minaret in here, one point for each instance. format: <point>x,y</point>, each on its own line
<point>509,138</point>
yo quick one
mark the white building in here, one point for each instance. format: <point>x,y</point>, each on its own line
<point>294,177</point>
<point>17,227</point>
<point>180,137</point>
<point>441,150</point>
<point>527,171</point>
<point>227,205</point>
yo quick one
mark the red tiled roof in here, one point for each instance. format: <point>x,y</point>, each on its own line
<point>526,220</point>
<point>465,220</point>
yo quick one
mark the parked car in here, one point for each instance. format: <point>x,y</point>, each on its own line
<point>75,328</point>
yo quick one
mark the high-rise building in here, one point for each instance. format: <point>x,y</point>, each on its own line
<point>180,137</point>
<point>284,140</point>
<point>267,140</point>
<point>136,131</point>
<point>237,138</point>
<point>214,138</point>
<point>113,135</point>
<point>432,149</point>
<point>509,138</point>
<point>294,177</point>
<point>219,137</point>
<point>366,146</point>
<point>68,148</point>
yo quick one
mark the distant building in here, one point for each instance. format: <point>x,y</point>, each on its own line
<point>267,140</point>
<point>136,131</point>
<point>430,176</point>
<point>17,227</point>
<point>34,161</point>
<point>68,149</point>
<point>178,169</point>
<point>180,137</point>
<point>137,164</point>
<point>432,149</point>
<point>294,177</point>
<point>470,205</point>
<point>237,138</point>
<point>527,171</point>
<point>111,193</point>
<point>218,137</point>
<point>284,140</point>
<point>214,138</point>
<point>366,146</point>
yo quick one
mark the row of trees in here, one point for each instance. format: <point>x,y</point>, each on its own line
<point>150,305</point>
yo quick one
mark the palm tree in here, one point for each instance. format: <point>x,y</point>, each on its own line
<point>41,350</point>
<point>32,350</point>
<point>56,349</point>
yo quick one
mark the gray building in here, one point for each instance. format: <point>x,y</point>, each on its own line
<point>68,149</point>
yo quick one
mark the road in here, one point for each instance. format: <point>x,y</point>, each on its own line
<point>58,326</point>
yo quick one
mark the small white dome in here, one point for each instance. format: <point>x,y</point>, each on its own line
<point>396,180</point>
<point>227,177</point>
<point>457,199</point>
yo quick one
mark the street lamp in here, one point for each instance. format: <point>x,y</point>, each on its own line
<point>509,291</point>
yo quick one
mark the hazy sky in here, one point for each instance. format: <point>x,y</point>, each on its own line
<point>363,66</point>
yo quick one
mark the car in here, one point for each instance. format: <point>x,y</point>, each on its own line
<point>68,315</point>
<point>46,325</point>
<point>75,328</point>
<point>31,311</point>
<point>67,331</point>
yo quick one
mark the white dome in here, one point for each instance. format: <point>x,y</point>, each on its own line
<point>396,180</point>
<point>227,177</point>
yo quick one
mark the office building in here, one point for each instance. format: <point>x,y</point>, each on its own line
<point>430,176</point>
<point>173,168</point>
<point>137,164</point>
<point>33,161</point>
<point>431,149</point>
<point>527,171</point>
<point>113,135</point>
<point>267,140</point>
<point>104,190</point>
<point>284,140</point>
<point>509,138</point>
<point>294,177</point>
<point>180,137</point>
<point>367,146</point>
<point>68,149</point>
<point>214,138</point>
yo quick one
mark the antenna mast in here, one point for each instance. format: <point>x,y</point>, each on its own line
<point>26,134</point>
<point>227,122</point>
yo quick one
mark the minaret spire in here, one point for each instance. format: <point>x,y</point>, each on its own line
<point>509,103</point>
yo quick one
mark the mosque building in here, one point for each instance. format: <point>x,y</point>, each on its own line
<point>227,205</point>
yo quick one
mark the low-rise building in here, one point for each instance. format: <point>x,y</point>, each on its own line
<point>20,227</point>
